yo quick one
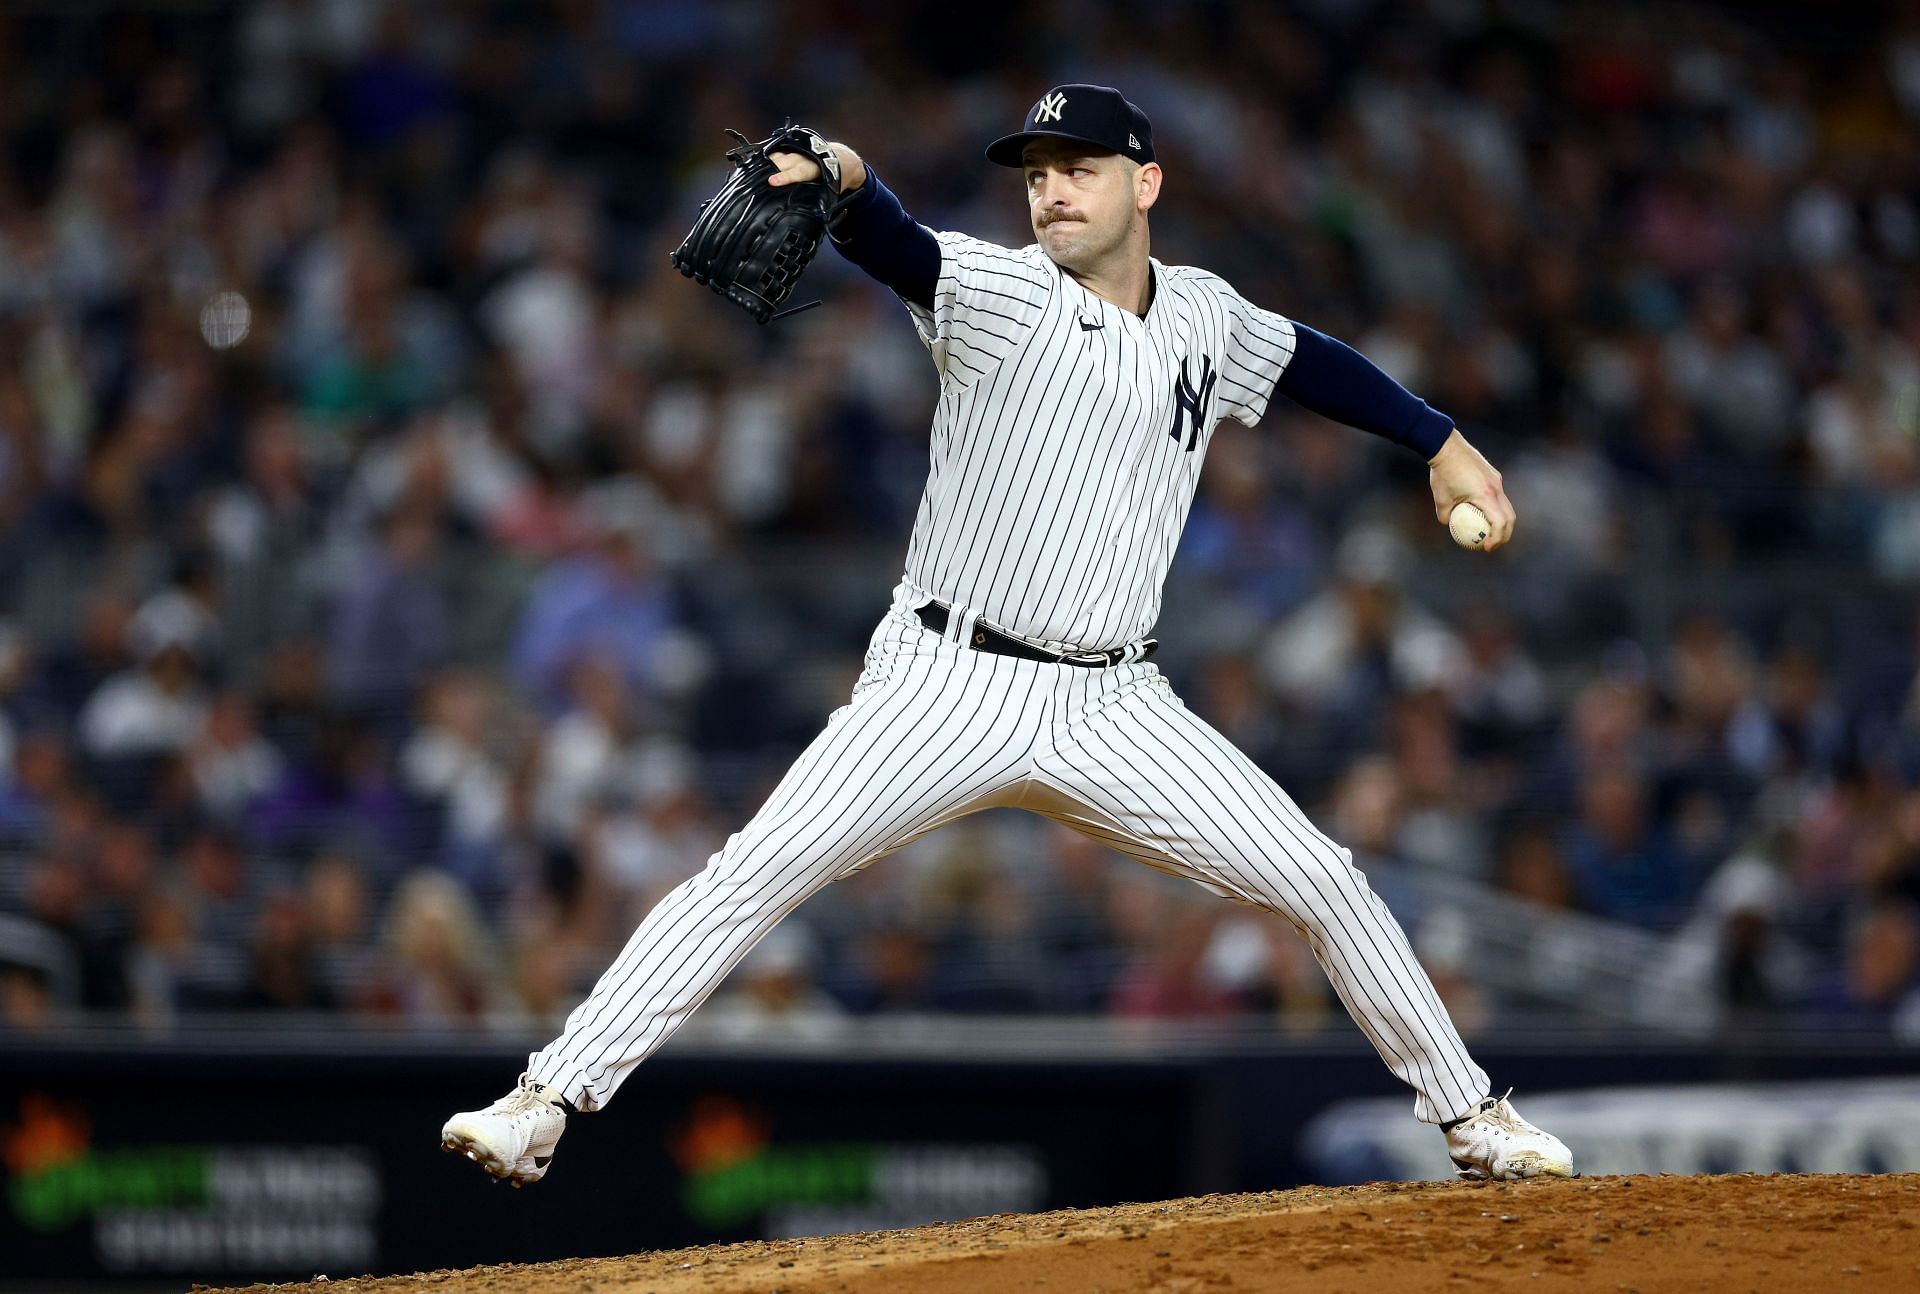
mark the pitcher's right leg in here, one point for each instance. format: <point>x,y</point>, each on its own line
<point>1140,771</point>
<point>946,732</point>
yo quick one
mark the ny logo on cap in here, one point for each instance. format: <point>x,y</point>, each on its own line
<point>1049,107</point>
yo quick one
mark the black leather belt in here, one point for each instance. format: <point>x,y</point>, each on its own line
<point>937,615</point>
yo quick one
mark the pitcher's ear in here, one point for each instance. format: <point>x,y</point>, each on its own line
<point>1147,184</point>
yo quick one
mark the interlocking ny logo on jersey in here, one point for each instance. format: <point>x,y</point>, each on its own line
<point>1192,403</point>
<point>1049,109</point>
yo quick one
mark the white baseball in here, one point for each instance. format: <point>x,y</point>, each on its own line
<point>1468,525</point>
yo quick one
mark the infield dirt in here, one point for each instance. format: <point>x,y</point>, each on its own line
<point>1650,1234</point>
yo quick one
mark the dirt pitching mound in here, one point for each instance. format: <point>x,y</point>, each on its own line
<point>1600,1233</point>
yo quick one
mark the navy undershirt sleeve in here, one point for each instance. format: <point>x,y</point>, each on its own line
<point>874,231</point>
<point>1336,381</point>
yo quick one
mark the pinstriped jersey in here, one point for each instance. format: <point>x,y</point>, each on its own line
<point>1069,436</point>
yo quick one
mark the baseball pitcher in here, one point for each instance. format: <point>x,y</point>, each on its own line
<point>1080,383</point>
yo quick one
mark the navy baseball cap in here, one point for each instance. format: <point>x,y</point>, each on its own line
<point>1092,114</point>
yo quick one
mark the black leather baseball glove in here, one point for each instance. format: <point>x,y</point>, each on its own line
<point>753,240</point>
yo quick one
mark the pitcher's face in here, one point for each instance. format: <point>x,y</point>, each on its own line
<point>1084,207</point>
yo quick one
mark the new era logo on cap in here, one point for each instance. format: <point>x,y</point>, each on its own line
<point>1102,117</point>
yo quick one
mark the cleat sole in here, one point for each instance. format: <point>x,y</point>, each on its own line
<point>1516,1169</point>
<point>1537,1166</point>
<point>460,1143</point>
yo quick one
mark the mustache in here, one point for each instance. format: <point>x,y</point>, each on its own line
<point>1055,217</point>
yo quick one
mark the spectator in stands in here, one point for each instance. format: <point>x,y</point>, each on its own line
<point>607,603</point>
<point>544,317</point>
<point>38,773</point>
<point>154,710</point>
<point>286,974</point>
<point>223,887</point>
<point>440,966</point>
<point>1260,554</point>
<point>590,748</point>
<point>1608,726</point>
<point>1444,943</point>
<point>1369,807</point>
<point>980,925</point>
<point>772,995</point>
<point>391,352</point>
<point>1172,981</point>
<point>1500,695</point>
<point>233,766</point>
<point>1791,727</point>
<point>1624,864</point>
<point>170,969</point>
<point>1880,982</point>
<point>117,882</point>
<point>1443,812</point>
<point>1266,971</point>
<point>1837,826</point>
<point>1158,945</point>
<point>343,793</point>
<point>72,670</point>
<point>1229,691</point>
<point>1349,649</point>
<point>891,971</point>
<point>55,903</point>
<point>389,623</point>
<point>264,529</point>
<point>458,762</point>
<point>1072,922</point>
<point>339,909</point>
<point>1732,956</point>
<point>650,828</point>
<point>1530,866</point>
<point>1710,678</point>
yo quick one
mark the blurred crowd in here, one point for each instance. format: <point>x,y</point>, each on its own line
<point>406,578</point>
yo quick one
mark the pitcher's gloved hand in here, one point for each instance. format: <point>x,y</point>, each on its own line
<point>752,239</point>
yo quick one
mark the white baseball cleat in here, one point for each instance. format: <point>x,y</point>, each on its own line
<point>1495,1143</point>
<point>514,1137</point>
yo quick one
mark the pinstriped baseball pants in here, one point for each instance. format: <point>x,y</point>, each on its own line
<point>1112,753</point>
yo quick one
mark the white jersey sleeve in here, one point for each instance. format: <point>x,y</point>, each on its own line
<point>986,301</point>
<point>1259,347</point>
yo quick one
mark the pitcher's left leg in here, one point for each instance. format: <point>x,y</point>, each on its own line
<point>1151,772</point>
